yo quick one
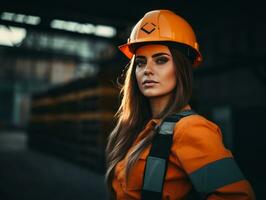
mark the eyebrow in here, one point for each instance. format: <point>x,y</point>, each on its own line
<point>153,56</point>
<point>159,54</point>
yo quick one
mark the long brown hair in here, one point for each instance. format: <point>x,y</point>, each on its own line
<point>134,112</point>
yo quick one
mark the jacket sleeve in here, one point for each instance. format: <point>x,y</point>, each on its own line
<point>210,166</point>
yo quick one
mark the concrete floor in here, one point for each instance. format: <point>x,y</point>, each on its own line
<point>31,175</point>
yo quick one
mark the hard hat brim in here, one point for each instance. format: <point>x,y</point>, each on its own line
<point>129,49</point>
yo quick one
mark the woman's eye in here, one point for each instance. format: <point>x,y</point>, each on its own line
<point>161,60</point>
<point>140,63</point>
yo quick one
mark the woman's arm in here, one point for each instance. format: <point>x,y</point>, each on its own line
<point>210,166</point>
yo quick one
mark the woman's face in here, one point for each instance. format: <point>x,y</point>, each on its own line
<point>155,70</point>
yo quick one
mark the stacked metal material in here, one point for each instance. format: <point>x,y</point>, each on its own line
<point>73,120</point>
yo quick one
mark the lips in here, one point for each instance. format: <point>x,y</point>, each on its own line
<point>149,82</point>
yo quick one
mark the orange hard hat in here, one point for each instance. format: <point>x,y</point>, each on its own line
<point>163,26</point>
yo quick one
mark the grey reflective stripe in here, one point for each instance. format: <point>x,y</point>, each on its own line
<point>185,113</point>
<point>167,128</point>
<point>215,175</point>
<point>154,174</point>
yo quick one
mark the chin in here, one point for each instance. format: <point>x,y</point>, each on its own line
<point>151,94</point>
<point>155,94</point>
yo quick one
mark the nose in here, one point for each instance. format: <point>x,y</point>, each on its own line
<point>148,69</point>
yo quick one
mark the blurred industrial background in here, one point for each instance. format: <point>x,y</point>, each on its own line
<point>58,94</point>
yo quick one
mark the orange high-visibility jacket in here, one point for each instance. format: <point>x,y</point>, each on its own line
<point>197,142</point>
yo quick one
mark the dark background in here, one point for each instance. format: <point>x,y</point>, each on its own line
<point>229,89</point>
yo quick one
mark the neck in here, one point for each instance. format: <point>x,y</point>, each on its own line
<point>158,104</point>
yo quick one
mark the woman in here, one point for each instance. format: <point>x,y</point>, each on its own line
<point>163,48</point>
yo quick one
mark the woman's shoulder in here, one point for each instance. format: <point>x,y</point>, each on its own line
<point>195,120</point>
<point>196,125</point>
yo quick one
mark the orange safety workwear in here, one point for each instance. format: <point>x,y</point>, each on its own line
<point>197,142</point>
